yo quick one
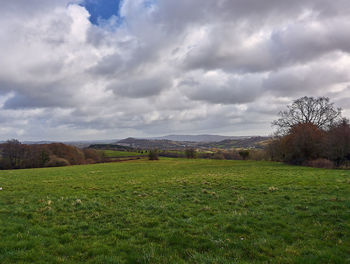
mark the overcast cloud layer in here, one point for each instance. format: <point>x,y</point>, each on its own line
<point>165,66</point>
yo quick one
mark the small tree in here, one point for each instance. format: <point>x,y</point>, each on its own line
<point>317,111</point>
<point>153,154</point>
<point>190,153</point>
<point>244,154</point>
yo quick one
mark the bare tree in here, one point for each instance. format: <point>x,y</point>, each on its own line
<point>317,111</point>
<point>12,152</point>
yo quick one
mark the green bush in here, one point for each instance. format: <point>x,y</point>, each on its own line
<point>153,154</point>
<point>190,153</point>
<point>244,154</point>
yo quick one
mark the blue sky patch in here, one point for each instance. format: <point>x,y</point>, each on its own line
<point>101,9</point>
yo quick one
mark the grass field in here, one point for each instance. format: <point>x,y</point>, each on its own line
<point>175,211</point>
<point>116,154</point>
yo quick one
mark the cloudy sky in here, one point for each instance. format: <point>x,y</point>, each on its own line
<point>101,69</point>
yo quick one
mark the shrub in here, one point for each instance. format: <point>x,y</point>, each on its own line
<point>5,164</point>
<point>232,155</point>
<point>258,154</point>
<point>172,154</point>
<point>72,154</point>
<point>93,156</point>
<point>57,162</point>
<point>90,161</point>
<point>153,154</point>
<point>14,155</point>
<point>338,142</point>
<point>218,156</point>
<point>244,154</point>
<point>190,153</point>
<point>345,165</point>
<point>304,142</point>
<point>321,163</point>
<point>274,149</point>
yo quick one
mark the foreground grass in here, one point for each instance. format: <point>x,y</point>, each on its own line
<point>175,211</point>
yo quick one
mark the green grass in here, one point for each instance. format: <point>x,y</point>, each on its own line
<point>116,154</point>
<point>175,211</point>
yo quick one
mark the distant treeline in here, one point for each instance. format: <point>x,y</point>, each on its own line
<point>15,155</point>
<point>111,147</point>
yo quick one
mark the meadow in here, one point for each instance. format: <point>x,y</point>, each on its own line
<point>175,211</point>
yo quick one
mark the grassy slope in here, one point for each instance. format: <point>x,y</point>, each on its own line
<point>175,211</point>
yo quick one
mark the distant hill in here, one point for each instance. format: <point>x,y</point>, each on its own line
<point>198,138</point>
<point>250,142</point>
<point>79,144</point>
<point>155,143</point>
<point>170,142</point>
<point>165,144</point>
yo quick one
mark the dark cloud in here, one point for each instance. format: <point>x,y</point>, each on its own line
<point>141,88</point>
<point>311,80</point>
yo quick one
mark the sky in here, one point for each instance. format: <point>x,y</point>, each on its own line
<point>104,69</point>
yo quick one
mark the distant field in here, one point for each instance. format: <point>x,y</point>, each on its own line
<point>175,211</point>
<point>115,153</point>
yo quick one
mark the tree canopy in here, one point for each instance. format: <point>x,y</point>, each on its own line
<point>317,111</point>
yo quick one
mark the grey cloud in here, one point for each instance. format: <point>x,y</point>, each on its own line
<point>20,101</point>
<point>109,65</point>
<point>298,43</point>
<point>310,80</point>
<point>32,7</point>
<point>220,88</point>
<point>141,88</point>
<point>39,95</point>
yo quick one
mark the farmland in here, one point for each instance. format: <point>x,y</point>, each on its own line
<point>175,211</point>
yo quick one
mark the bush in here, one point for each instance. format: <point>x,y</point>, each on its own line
<point>244,154</point>
<point>93,156</point>
<point>15,155</point>
<point>345,165</point>
<point>190,153</point>
<point>258,154</point>
<point>172,154</point>
<point>72,154</point>
<point>5,164</point>
<point>57,162</point>
<point>232,155</point>
<point>338,142</point>
<point>321,163</point>
<point>304,142</point>
<point>274,149</point>
<point>90,161</point>
<point>218,156</point>
<point>153,154</point>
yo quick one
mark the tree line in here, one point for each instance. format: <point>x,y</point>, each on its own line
<point>15,155</point>
<point>312,132</point>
